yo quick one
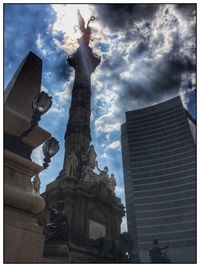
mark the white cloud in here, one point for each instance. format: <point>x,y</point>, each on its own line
<point>39,41</point>
<point>104,156</point>
<point>64,94</point>
<point>114,145</point>
<point>183,92</point>
<point>119,190</point>
<point>44,89</point>
<point>108,136</point>
<point>108,122</point>
<point>40,45</point>
<point>66,23</point>
<point>105,126</point>
<point>37,155</point>
<point>124,225</point>
<point>60,97</point>
<point>126,75</point>
<point>57,108</point>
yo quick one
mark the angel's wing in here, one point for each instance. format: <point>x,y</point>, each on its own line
<point>81,22</point>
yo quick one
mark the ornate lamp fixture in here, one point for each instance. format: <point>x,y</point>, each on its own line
<point>40,105</point>
<point>50,148</point>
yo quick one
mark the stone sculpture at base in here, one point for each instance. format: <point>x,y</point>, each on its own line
<point>112,183</point>
<point>103,176</point>
<point>58,228</point>
<point>91,157</point>
<point>88,175</point>
<point>36,183</point>
<point>72,164</point>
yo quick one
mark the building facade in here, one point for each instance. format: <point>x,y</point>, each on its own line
<point>159,161</point>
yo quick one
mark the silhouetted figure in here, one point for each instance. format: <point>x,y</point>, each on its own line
<point>58,228</point>
<point>156,254</point>
<point>85,38</point>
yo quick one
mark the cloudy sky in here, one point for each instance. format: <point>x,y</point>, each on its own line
<point>147,54</point>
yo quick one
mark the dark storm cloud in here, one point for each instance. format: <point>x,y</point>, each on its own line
<point>56,71</point>
<point>157,75</point>
<point>188,10</point>
<point>122,16</point>
<point>140,50</point>
<point>56,62</point>
<point>163,80</point>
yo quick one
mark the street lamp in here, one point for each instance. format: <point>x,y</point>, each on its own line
<point>40,105</point>
<point>50,148</point>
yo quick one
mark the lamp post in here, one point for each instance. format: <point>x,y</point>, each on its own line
<point>40,105</point>
<point>50,148</point>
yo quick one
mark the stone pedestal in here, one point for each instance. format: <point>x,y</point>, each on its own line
<point>57,252</point>
<point>21,204</point>
<point>23,237</point>
<point>93,211</point>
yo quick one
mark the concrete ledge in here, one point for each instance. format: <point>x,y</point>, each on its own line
<point>27,201</point>
<point>21,164</point>
<point>18,189</point>
<point>16,124</point>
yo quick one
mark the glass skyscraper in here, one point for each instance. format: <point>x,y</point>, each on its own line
<point>159,161</point>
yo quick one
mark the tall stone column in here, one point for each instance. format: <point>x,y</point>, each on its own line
<point>90,205</point>
<point>77,136</point>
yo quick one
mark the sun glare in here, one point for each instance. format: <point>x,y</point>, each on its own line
<point>67,18</point>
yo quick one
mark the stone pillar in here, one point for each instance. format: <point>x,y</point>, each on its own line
<point>77,136</point>
<point>26,82</point>
<point>23,237</point>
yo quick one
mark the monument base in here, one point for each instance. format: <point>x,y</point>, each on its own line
<point>94,213</point>
<point>57,252</point>
<point>60,253</point>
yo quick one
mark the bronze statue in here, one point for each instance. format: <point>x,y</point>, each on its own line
<point>58,228</point>
<point>85,38</point>
<point>156,253</point>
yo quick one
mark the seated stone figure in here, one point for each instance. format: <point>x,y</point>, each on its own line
<point>112,183</point>
<point>87,175</point>
<point>103,176</point>
<point>58,228</point>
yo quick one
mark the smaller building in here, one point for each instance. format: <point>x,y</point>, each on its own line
<point>159,162</point>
